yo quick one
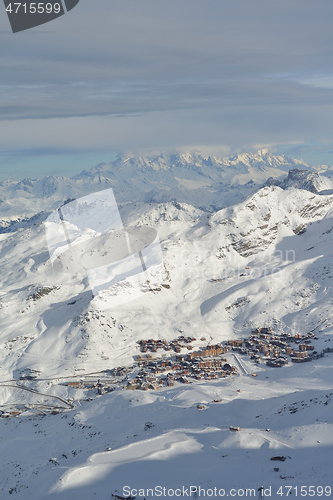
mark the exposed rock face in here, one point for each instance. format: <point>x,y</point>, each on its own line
<point>302,179</point>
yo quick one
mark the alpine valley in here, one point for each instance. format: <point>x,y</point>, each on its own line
<point>218,377</point>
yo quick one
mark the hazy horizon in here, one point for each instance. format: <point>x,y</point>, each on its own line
<point>69,170</point>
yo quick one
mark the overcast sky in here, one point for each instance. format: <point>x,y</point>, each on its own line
<point>219,76</point>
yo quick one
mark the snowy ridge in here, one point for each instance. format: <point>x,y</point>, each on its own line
<point>303,179</point>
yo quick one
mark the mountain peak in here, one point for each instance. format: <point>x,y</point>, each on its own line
<point>264,152</point>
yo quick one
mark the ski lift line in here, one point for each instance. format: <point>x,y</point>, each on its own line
<point>48,407</point>
<point>144,267</point>
<point>321,323</point>
<point>37,411</point>
<point>102,373</point>
<point>40,394</point>
<point>240,364</point>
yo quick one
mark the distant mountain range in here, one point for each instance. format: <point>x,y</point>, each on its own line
<point>207,183</point>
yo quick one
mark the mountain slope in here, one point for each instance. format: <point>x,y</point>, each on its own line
<point>271,238</point>
<point>264,261</point>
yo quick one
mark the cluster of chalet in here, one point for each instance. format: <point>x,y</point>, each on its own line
<point>9,414</point>
<point>263,343</point>
<point>206,363</point>
<point>175,345</point>
<point>102,385</point>
<point>152,373</point>
<point>31,409</point>
<point>184,369</point>
<point>155,371</point>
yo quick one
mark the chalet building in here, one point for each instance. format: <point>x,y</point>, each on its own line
<point>261,330</point>
<point>275,363</point>
<point>132,387</point>
<point>176,367</point>
<point>142,363</point>
<point>153,386</point>
<point>278,343</point>
<point>203,364</point>
<point>300,354</point>
<point>75,385</point>
<point>235,343</point>
<point>194,354</point>
<point>316,355</point>
<point>306,347</point>
<point>305,359</point>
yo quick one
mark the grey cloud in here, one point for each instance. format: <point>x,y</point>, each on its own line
<point>238,68</point>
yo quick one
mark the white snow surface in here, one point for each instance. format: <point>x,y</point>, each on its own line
<point>271,251</point>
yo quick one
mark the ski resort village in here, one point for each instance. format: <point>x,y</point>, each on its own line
<point>157,368</point>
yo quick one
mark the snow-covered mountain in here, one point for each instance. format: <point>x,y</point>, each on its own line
<point>262,260</point>
<point>304,179</point>
<point>210,183</point>
<point>239,169</point>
